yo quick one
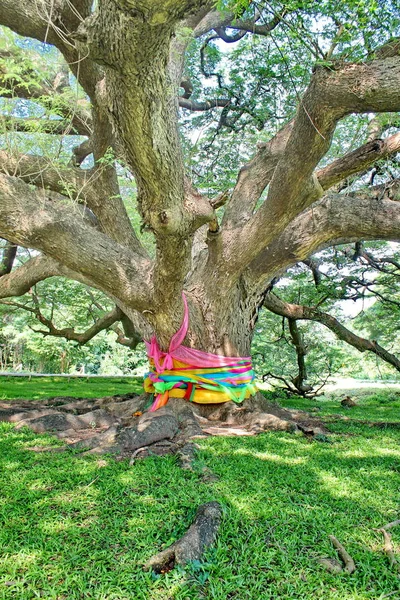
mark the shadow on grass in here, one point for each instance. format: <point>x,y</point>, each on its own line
<point>80,527</point>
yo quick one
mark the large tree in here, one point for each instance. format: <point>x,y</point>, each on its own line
<point>123,78</point>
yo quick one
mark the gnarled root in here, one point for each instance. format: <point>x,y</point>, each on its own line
<point>192,545</point>
<point>332,565</point>
<point>123,426</point>
<point>388,547</point>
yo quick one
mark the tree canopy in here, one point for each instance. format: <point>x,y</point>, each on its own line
<point>153,147</point>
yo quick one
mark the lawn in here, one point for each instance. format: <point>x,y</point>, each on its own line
<point>47,387</point>
<point>377,405</point>
<point>75,527</point>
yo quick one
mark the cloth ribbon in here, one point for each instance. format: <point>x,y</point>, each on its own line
<point>194,375</point>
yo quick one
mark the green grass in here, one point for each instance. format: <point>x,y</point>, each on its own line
<point>75,527</point>
<point>373,405</point>
<point>46,387</point>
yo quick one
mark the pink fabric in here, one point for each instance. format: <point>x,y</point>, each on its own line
<point>195,358</point>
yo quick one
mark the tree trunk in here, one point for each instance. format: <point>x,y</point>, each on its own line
<point>124,424</point>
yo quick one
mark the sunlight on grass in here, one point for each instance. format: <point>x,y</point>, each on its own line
<point>75,527</point>
<point>273,457</point>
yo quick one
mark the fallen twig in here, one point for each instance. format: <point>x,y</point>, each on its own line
<point>91,483</point>
<point>389,594</point>
<point>331,564</point>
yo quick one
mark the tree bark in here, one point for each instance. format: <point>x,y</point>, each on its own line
<point>7,261</point>
<point>301,351</point>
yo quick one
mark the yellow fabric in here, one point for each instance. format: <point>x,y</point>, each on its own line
<point>201,395</point>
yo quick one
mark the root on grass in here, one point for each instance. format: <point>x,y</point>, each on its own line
<point>123,426</point>
<point>200,535</point>
<point>332,565</point>
<point>388,548</point>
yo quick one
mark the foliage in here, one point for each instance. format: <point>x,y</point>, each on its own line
<point>262,77</point>
<point>79,527</point>
<point>369,311</point>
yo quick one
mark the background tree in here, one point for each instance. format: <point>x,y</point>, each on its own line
<point>314,85</point>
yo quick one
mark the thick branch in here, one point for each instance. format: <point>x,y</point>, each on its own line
<point>20,281</point>
<point>299,312</point>
<point>140,92</point>
<point>213,20</point>
<point>26,19</point>
<point>337,219</point>
<point>254,177</point>
<point>42,172</point>
<point>95,188</point>
<point>358,160</point>
<point>203,106</point>
<point>128,335</point>
<point>331,95</point>
<point>29,219</point>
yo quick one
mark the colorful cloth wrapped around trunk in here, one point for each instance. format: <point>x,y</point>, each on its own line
<point>196,376</point>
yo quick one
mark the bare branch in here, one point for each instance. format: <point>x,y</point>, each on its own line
<point>252,26</point>
<point>128,335</point>
<point>213,20</point>
<point>358,160</point>
<point>219,20</point>
<point>194,106</point>
<point>309,313</point>
<point>301,352</point>
<point>312,264</point>
<point>69,333</point>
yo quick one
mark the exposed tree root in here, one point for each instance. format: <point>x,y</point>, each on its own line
<point>349,564</point>
<point>332,565</point>
<point>388,547</point>
<point>200,535</point>
<point>187,455</point>
<point>123,426</point>
<point>390,525</point>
